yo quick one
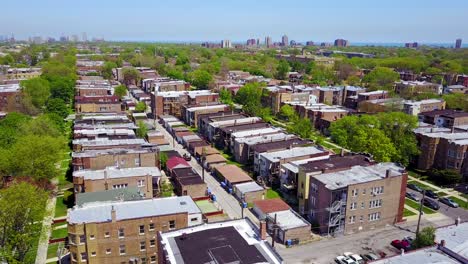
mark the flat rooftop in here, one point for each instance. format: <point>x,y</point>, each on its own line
<point>234,241</point>
<point>456,238</point>
<point>124,194</point>
<point>279,144</point>
<point>291,153</point>
<point>423,256</point>
<point>101,211</point>
<point>253,140</point>
<point>256,132</point>
<point>241,120</point>
<point>288,219</point>
<point>116,151</point>
<point>358,174</point>
<point>115,173</point>
<point>335,162</point>
<point>374,92</point>
<point>198,108</point>
<point>249,187</point>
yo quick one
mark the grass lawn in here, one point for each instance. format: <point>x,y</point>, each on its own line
<point>60,207</point>
<point>415,205</point>
<point>58,224</point>
<point>59,233</point>
<point>272,194</point>
<point>460,202</point>
<point>52,250</point>
<point>442,194</point>
<point>407,212</point>
<point>422,185</point>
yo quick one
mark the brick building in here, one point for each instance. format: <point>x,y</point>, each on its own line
<point>188,182</point>
<point>97,104</point>
<point>169,103</point>
<point>120,232</point>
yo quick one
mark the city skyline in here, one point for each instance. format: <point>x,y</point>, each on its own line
<point>185,21</point>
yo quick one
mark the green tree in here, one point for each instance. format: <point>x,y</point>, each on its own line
<point>302,127</point>
<point>444,177</point>
<point>200,79</point>
<point>10,127</point>
<point>140,107</point>
<point>62,88</point>
<point>288,113</point>
<point>106,69</point>
<point>456,101</point>
<point>22,209</point>
<point>425,238</point>
<point>142,129</point>
<point>353,80</point>
<point>381,78</point>
<point>282,70</point>
<point>57,106</point>
<point>120,91</point>
<point>37,90</point>
<point>225,96</point>
<point>163,159</point>
<point>250,96</point>
<point>130,75</point>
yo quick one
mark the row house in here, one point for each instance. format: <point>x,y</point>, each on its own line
<point>359,199</point>
<point>144,178</point>
<point>102,118</point>
<point>250,133</point>
<point>127,232</point>
<point>170,103</point>
<point>416,107</point>
<point>204,120</point>
<point>97,104</point>
<point>10,97</point>
<point>222,139</point>
<point>93,90</point>
<point>190,112</point>
<point>278,145</point>
<point>105,143</point>
<point>213,128</point>
<point>410,88</point>
<point>19,73</point>
<point>164,84</point>
<point>104,133</point>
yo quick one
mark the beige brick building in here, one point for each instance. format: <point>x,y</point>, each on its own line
<point>124,158</point>
<point>126,232</point>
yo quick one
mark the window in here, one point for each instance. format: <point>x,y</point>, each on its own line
<point>84,256</point>
<point>143,260</point>
<point>355,192</point>
<point>172,224</point>
<point>119,186</point>
<point>362,205</point>
<point>352,219</point>
<point>374,216</point>
<point>194,219</point>
<point>141,183</point>
<point>353,206</point>
<point>375,203</point>
<point>121,233</point>
<point>142,230</point>
<point>142,246</point>
<point>363,191</point>
<point>91,237</point>
<point>314,187</point>
<point>93,254</point>
<point>151,227</point>
<point>107,234</point>
<point>153,259</point>
<point>108,251</point>
<point>122,249</point>
<point>82,239</point>
<point>377,190</point>
<point>137,162</point>
<point>152,243</point>
<point>361,218</point>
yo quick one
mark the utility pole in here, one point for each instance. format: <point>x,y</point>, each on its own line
<point>420,212</point>
<point>275,227</point>
<point>202,163</point>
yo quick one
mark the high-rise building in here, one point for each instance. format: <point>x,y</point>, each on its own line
<point>74,38</point>
<point>226,43</point>
<point>268,42</point>
<point>284,41</point>
<point>309,43</point>
<point>341,43</point>
<point>258,42</point>
<point>411,45</point>
<point>458,43</point>
<point>251,42</point>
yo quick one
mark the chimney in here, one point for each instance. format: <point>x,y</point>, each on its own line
<point>387,173</point>
<point>442,243</point>
<point>453,129</point>
<point>263,231</point>
<point>106,184</point>
<point>113,215</point>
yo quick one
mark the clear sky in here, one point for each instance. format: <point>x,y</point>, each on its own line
<point>429,21</point>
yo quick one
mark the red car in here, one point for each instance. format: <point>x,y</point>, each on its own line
<point>401,244</point>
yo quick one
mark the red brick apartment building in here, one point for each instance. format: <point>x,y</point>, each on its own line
<point>169,103</point>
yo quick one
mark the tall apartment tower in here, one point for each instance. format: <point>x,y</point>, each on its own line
<point>285,41</point>
<point>226,43</point>
<point>458,43</point>
<point>341,43</point>
<point>268,42</point>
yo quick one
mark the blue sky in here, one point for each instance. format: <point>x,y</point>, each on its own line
<point>429,21</point>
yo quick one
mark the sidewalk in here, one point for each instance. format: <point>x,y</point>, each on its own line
<point>43,244</point>
<point>449,191</point>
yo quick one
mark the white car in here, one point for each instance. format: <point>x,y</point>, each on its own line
<point>344,260</point>
<point>355,257</point>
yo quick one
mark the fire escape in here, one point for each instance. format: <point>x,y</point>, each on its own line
<point>337,213</point>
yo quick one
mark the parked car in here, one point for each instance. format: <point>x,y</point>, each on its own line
<point>448,202</point>
<point>413,196</point>
<point>344,260</point>
<point>354,257</point>
<point>401,244</point>
<point>431,194</point>
<point>187,157</point>
<point>409,239</point>
<point>370,257</point>
<point>431,204</point>
<point>414,187</point>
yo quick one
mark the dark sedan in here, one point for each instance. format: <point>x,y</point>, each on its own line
<point>412,196</point>
<point>431,194</point>
<point>431,204</point>
<point>414,187</point>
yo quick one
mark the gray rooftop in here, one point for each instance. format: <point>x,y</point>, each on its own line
<point>456,238</point>
<point>423,256</point>
<point>253,132</point>
<point>101,211</point>
<point>249,187</point>
<point>113,173</point>
<point>288,219</point>
<point>124,194</point>
<point>291,153</point>
<point>109,142</point>
<point>358,174</point>
<point>116,151</point>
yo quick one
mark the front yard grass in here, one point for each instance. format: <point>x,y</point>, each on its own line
<point>415,205</point>
<point>59,233</point>
<point>60,207</point>
<point>272,194</point>
<point>422,185</point>
<point>407,212</point>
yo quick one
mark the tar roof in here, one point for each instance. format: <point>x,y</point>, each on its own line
<point>232,129</point>
<point>233,174</point>
<point>291,153</point>
<point>124,194</point>
<point>271,205</point>
<point>358,174</point>
<point>233,241</point>
<point>101,212</point>
<point>336,162</point>
<point>116,151</point>
<point>113,173</point>
<point>281,144</point>
<point>215,158</point>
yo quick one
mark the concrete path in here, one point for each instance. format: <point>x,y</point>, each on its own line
<point>46,228</point>
<point>449,191</point>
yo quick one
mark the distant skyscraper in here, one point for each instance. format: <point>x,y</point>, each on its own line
<point>341,43</point>
<point>74,38</point>
<point>458,43</point>
<point>411,45</point>
<point>258,42</point>
<point>292,43</point>
<point>251,42</point>
<point>284,41</point>
<point>268,42</point>
<point>84,37</point>
<point>309,43</point>
<point>226,44</point>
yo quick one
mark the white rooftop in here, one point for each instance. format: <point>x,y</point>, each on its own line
<point>259,131</point>
<point>196,108</point>
<point>114,173</point>
<point>374,92</point>
<point>358,174</point>
<point>108,142</point>
<point>248,187</point>
<point>456,238</point>
<point>291,153</point>
<point>242,120</point>
<point>101,211</point>
<point>5,88</point>
<point>287,219</point>
<point>264,138</point>
<point>423,256</point>
<point>107,131</point>
<point>427,101</point>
